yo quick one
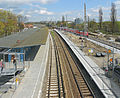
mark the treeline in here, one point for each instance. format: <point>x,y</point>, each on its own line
<point>10,23</point>
<point>112,26</point>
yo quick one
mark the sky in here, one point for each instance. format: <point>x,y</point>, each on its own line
<point>53,10</point>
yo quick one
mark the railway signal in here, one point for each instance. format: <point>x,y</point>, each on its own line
<point>111,60</point>
<point>109,51</point>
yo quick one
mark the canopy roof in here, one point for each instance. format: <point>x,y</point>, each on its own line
<point>29,37</point>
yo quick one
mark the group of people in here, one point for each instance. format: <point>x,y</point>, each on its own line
<point>2,65</point>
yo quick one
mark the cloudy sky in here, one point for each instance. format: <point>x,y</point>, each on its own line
<point>38,10</point>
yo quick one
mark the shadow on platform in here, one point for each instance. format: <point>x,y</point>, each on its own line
<point>32,53</point>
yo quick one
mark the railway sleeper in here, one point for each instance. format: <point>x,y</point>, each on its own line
<point>53,89</point>
<point>53,84</point>
<point>52,95</point>
<point>81,83</point>
<point>53,81</point>
<point>85,92</point>
<point>84,88</point>
<point>52,78</point>
<point>87,95</point>
<point>53,92</point>
<point>53,74</point>
<point>80,80</point>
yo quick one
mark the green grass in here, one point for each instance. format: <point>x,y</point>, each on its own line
<point>52,33</point>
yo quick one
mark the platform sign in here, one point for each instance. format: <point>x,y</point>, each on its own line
<point>90,50</point>
<point>21,57</point>
<point>9,58</point>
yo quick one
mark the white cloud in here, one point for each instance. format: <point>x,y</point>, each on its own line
<point>42,11</point>
<point>95,10</point>
<point>117,2</point>
<point>89,14</point>
<point>45,12</point>
<point>46,1</point>
<point>28,16</point>
<point>19,2</point>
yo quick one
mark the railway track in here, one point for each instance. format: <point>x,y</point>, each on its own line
<point>112,44</point>
<point>55,87</point>
<point>75,84</point>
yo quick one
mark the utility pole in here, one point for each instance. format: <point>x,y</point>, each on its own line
<point>100,18</point>
<point>88,22</point>
<point>85,24</point>
<point>66,20</point>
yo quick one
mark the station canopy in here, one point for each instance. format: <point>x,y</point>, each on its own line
<point>26,38</point>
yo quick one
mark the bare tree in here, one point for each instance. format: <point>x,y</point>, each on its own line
<point>100,18</point>
<point>113,17</point>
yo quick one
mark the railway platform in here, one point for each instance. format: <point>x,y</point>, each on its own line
<point>106,86</point>
<point>31,84</point>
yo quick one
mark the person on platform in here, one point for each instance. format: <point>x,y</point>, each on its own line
<point>1,65</point>
<point>15,63</point>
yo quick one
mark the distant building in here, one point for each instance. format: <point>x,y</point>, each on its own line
<point>69,22</point>
<point>78,21</point>
<point>28,26</point>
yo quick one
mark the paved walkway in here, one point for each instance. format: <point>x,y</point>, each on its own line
<point>31,85</point>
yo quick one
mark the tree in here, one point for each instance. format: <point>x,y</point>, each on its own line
<point>8,22</point>
<point>100,18</point>
<point>2,26</point>
<point>113,17</point>
<point>93,26</point>
<point>106,26</point>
